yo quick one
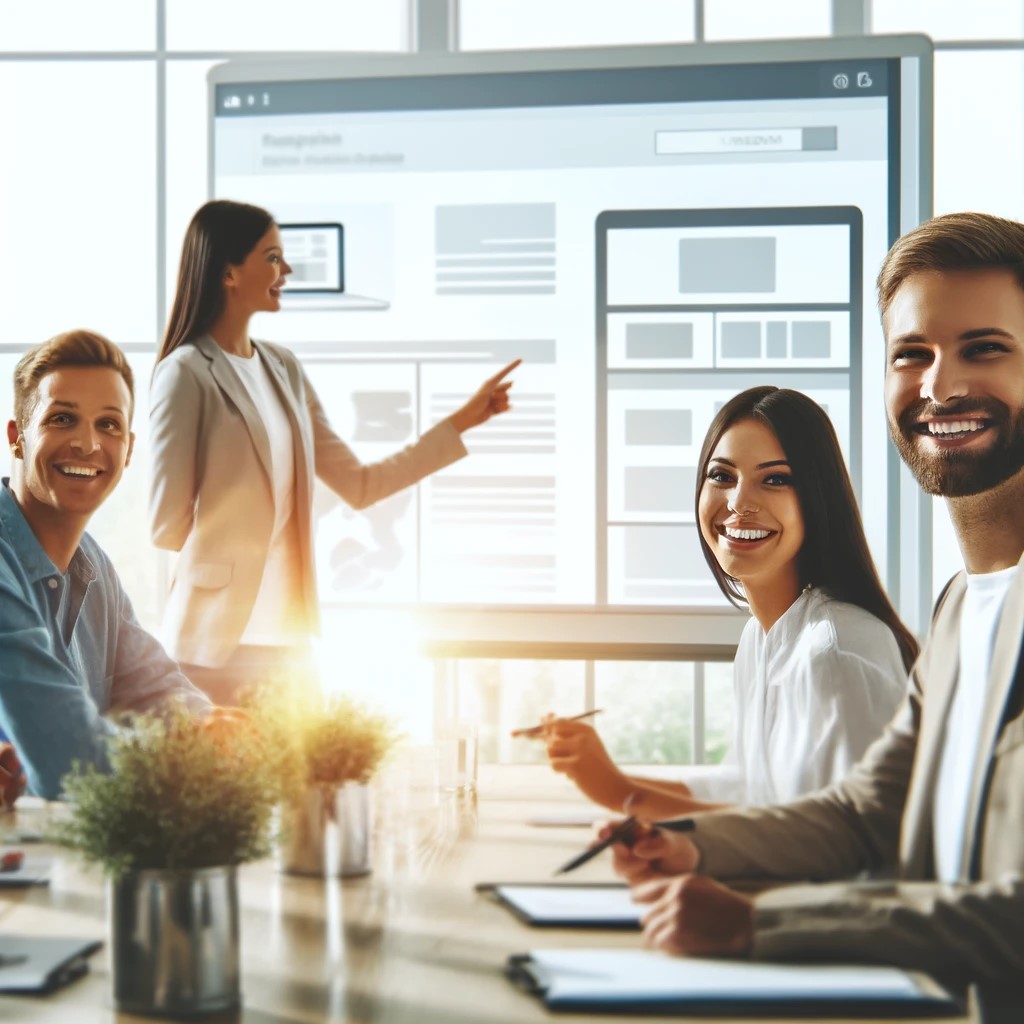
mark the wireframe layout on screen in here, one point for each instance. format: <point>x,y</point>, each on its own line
<point>316,254</point>
<point>692,306</point>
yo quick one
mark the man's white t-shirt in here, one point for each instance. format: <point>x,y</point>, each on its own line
<point>268,623</point>
<point>983,604</point>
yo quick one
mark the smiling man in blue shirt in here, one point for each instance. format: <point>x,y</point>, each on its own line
<point>71,649</point>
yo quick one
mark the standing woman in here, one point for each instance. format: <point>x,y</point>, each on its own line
<point>238,437</point>
<point>822,663</point>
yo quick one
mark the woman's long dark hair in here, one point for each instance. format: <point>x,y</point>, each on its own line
<point>835,554</point>
<point>221,233</point>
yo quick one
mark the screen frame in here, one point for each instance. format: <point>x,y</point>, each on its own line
<point>610,632</point>
<point>346,65</point>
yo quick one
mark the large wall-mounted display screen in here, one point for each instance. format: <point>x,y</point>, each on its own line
<point>651,230</point>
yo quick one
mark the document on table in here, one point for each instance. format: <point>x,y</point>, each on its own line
<point>642,981</point>
<point>571,906</point>
<point>581,818</point>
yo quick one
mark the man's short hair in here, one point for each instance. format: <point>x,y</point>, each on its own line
<point>955,241</point>
<point>72,348</point>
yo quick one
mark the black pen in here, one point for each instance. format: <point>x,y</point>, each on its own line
<point>622,834</point>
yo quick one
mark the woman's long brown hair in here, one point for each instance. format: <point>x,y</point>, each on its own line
<point>221,233</point>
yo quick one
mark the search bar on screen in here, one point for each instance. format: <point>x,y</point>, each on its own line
<point>745,140</point>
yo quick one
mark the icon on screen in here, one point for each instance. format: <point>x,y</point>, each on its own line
<point>864,80</point>
<point>232,102</point>
<point>841,81</point>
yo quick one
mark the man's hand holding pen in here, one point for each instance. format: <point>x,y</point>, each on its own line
<point>625,833</point>
<point>688,914</point>
<point>651,852</point>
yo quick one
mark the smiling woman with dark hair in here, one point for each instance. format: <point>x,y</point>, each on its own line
<point>822,663</point>
<point>833,555</point>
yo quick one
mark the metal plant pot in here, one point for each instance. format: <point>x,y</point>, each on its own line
<point>174,937</point>
<point>327,832</point>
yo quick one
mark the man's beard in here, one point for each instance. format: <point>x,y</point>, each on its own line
<point>956,472</point>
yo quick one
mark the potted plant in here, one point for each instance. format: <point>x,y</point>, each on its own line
<point>186,802</point>
<point>333,745</point>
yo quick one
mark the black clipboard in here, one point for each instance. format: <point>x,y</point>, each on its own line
<point>31,871</point>
<point>506,894</point>
<point>584,988</point>
<point>38,964</point>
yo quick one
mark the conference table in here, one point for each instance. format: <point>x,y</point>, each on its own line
<point>410,943</point>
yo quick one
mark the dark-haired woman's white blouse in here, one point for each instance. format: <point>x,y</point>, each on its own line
<point>811,695</point>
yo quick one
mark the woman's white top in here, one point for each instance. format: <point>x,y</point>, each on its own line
<point>268,621</point>
<point>812,694</point>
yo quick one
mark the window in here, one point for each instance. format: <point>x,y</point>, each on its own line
<point>979,156</point>
<point>755,19</point>
<point>517,24</point>
<point>71,26</point>
<point>980,19</point>
<point>78,204</point>
<point>254,25</point>
<point>652,712</point>
<point>186,187</point>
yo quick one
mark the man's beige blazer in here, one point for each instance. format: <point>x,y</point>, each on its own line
<point>881,817</point>
<point>211,494</point>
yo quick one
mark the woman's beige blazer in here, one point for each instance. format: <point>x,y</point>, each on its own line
<point>211,497</point>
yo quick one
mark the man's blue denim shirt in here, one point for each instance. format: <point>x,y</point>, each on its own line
<point>71,650</point>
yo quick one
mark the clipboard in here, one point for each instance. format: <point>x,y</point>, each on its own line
<point>32,871</point>
<point>34,964</point>
<point>645,983</point>
<point>568,905</point>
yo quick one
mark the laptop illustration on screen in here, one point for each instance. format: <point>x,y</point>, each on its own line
<point>316,254</point>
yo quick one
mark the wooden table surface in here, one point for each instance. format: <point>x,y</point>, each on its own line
<point>412,943</point>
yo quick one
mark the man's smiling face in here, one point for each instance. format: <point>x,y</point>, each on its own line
<point>76,442</point>
<point>954,380</point>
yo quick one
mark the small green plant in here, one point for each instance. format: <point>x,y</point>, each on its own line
<point>179,796</point>
<point>329,740</point>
